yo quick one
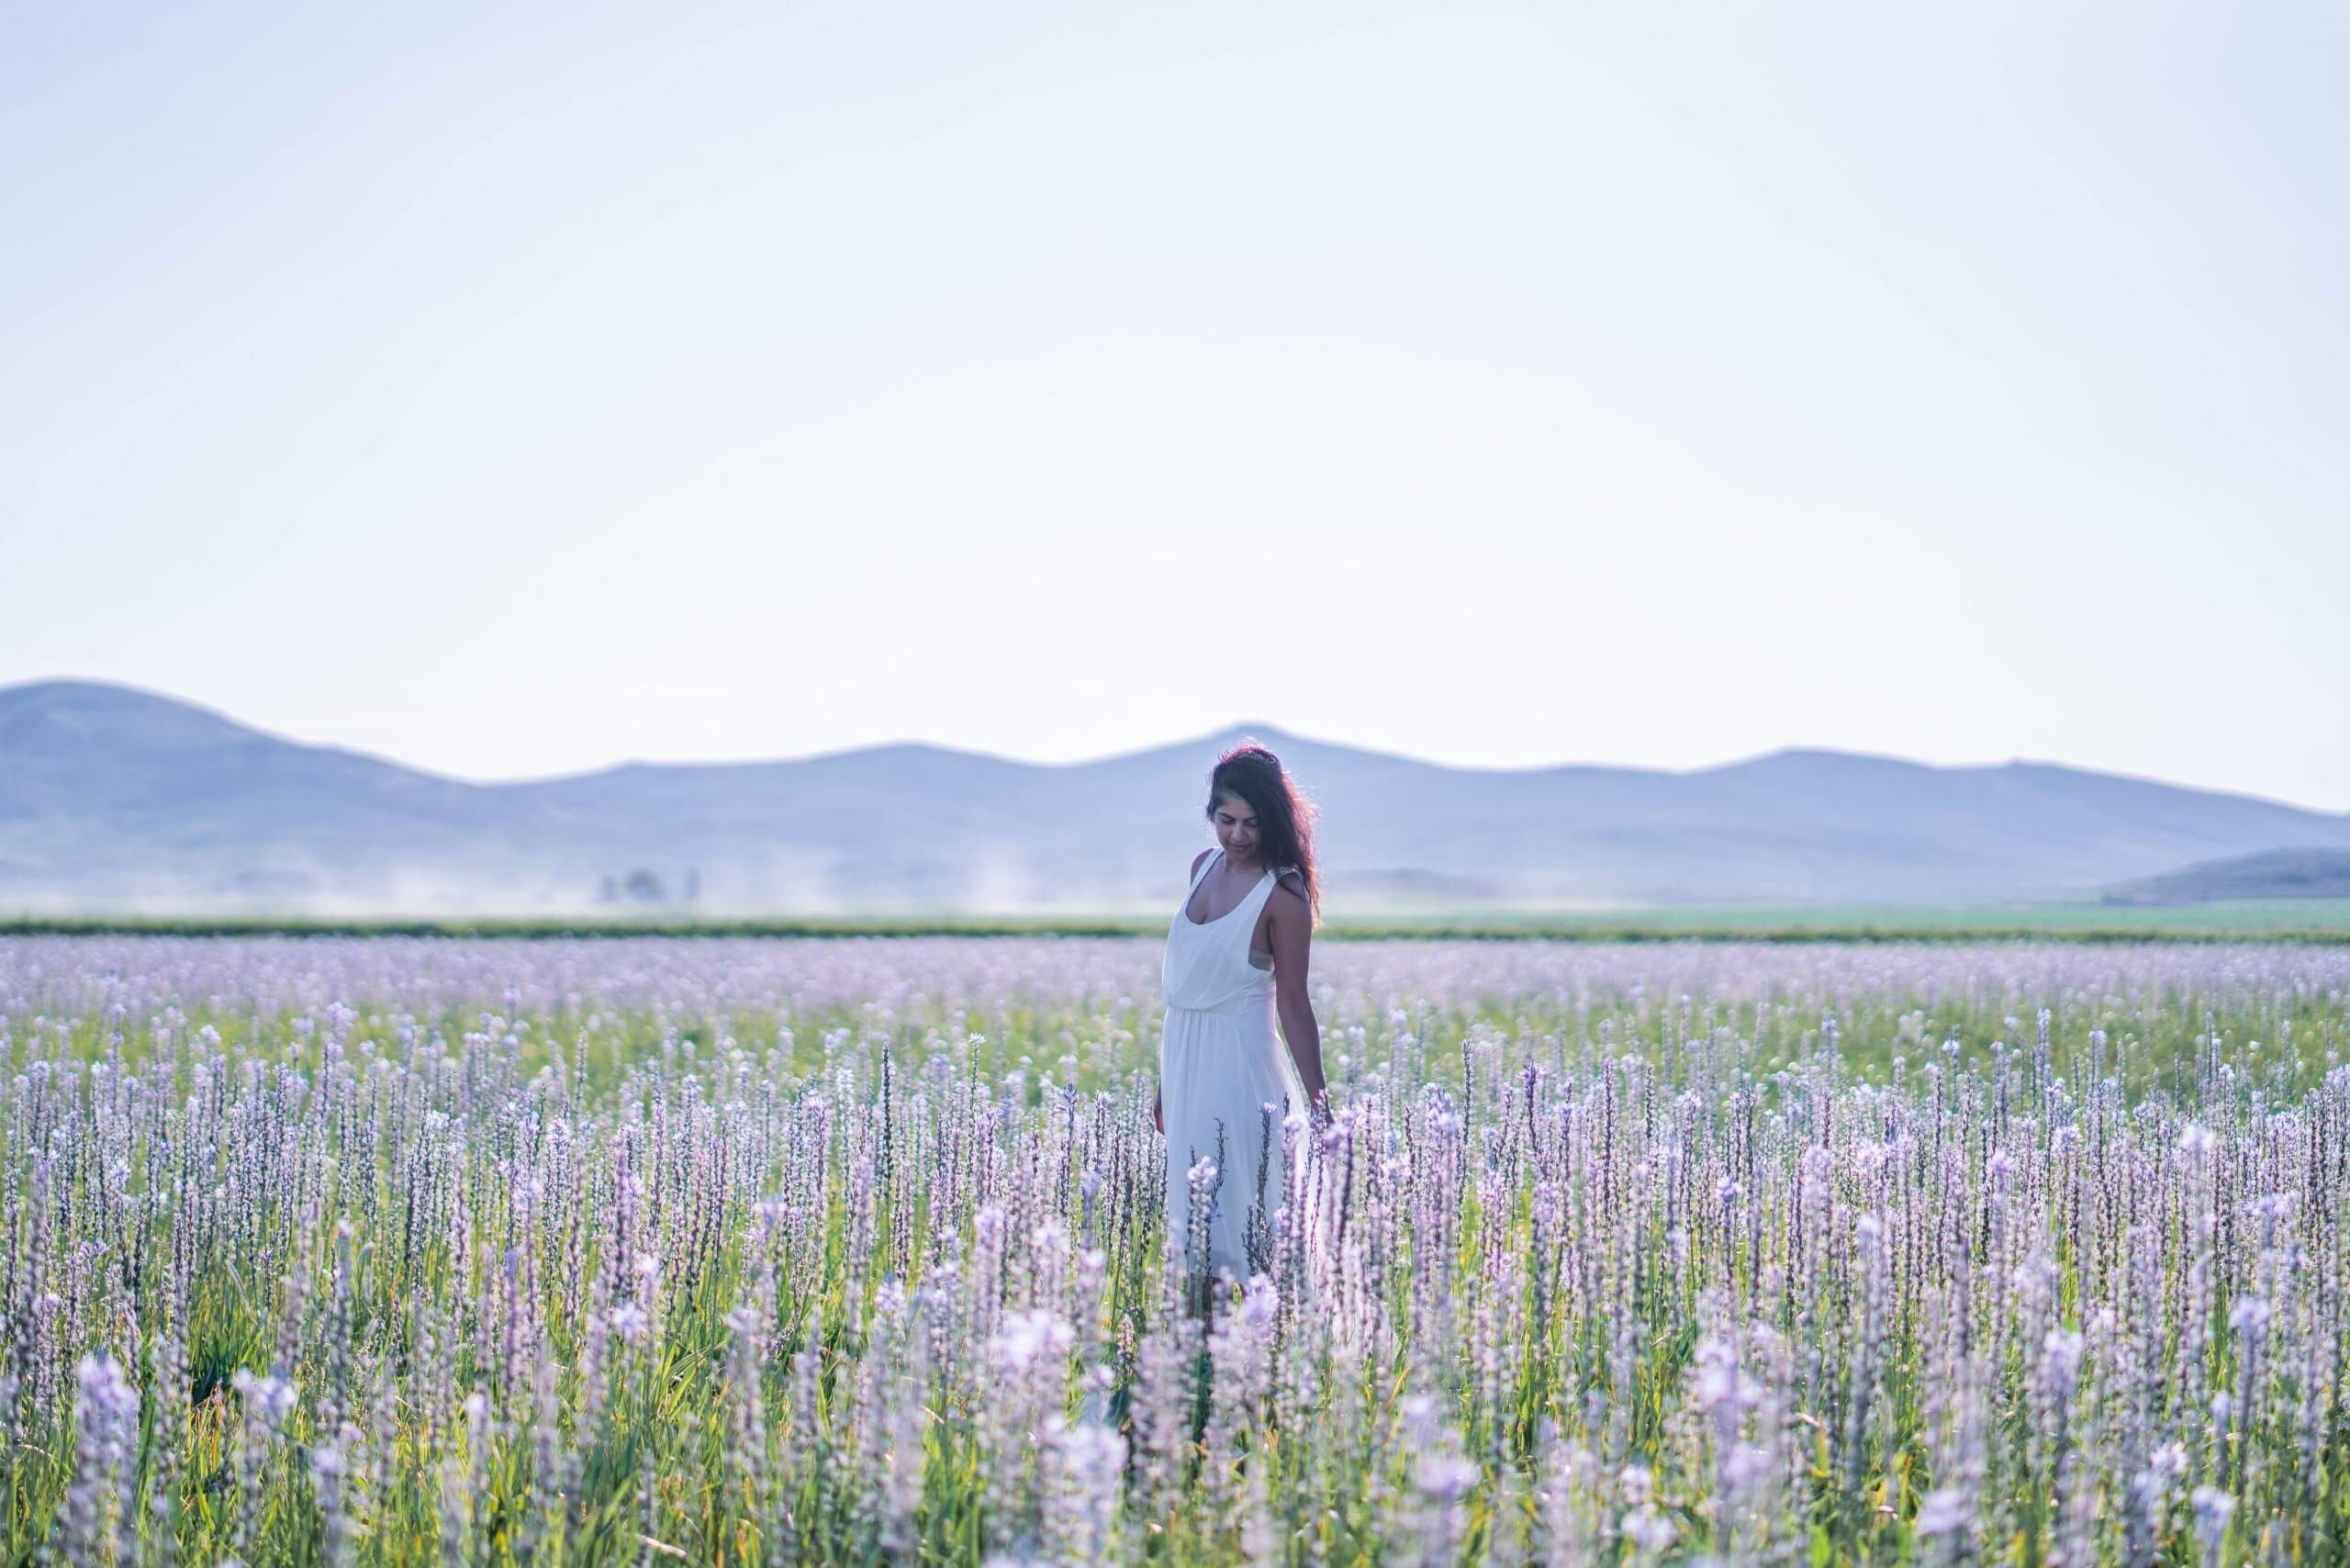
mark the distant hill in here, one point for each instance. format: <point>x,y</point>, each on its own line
<point>2274,873</point>
<point>123,800</point>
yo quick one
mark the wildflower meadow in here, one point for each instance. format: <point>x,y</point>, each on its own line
<point>637,1250</point>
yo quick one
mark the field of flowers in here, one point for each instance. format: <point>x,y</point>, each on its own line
<point>416,1250</point>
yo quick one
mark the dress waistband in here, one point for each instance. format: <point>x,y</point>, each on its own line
<point>1242,1002</point>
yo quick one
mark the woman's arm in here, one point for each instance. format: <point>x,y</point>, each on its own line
<point>1292,938</point>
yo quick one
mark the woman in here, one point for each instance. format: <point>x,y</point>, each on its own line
<point>1236,959</point>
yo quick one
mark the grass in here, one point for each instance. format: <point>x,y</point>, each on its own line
<point>515,1143</point>
<point>2296,920</point>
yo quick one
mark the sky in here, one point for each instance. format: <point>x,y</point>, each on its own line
<point>516,390</point>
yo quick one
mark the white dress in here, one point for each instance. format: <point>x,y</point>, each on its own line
<point>1221,1059</point>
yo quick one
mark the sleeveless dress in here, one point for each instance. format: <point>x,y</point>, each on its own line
<point>1221,1059</point>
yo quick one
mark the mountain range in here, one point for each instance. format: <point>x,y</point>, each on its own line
<point>121,800</point>
<point>2271,874</point>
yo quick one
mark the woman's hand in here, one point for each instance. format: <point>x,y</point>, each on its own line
<point>1319,1108</point>
<point>1158,1112</point>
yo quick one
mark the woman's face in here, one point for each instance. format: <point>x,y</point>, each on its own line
<point>1235,827</point>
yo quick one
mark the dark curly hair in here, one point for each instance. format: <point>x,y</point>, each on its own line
<point>1285,817</point>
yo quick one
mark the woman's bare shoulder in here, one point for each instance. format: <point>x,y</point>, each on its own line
<point>1198,860</point>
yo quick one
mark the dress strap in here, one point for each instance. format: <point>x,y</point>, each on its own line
<point>1201,875</point>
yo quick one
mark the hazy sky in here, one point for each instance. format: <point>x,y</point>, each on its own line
<point>514,391</point>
